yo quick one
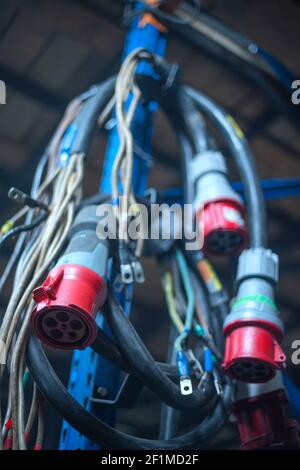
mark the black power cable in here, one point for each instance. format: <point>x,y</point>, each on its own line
<point>169,417</point>
<point>179,105</point>
<point>86,119</point>
<point>144,365</point>
<point>22,228</point>
<point>99,432</point>
<point>110,350</point>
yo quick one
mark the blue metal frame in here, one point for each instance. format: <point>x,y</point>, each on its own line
<point>275,188</point>
<point>88,370</point>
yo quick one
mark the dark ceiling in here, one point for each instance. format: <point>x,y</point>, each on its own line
<point>51,50</point>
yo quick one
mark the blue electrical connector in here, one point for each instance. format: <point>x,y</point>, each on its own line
<point>208,361</point>
<point>184,373</point>
<point>182,365</point>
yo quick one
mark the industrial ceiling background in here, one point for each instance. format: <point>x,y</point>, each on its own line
<point>51,50</point>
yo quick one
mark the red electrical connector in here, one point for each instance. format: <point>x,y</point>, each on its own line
<point>253,329</point>
<point>38,447</point>
<point>75,290</point>
<point>264,422</point>
<point>67,305</point>
<point>8,441</point>
<point>252,352</point>
<point>218,208</point>
<point>224,227</point>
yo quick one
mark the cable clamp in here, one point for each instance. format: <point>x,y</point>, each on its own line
<point>258,262</point>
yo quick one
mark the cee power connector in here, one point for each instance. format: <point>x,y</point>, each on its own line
<point>74,291</point>
<point>218,208</point>
<point>263,418</point>
<point>254,330</point>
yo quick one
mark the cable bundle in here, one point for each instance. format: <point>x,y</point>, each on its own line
<point>126,89</point>
<point>61,189</point>
<point>196,301</point>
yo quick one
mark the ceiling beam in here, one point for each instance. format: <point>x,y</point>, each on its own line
<point>32,89</point>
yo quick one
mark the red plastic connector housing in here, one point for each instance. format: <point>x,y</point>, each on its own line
<point>66,307</point>
<point>264,422</point>
<point>224,228</point>
<point>252,350</point>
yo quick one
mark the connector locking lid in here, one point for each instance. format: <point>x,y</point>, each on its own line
<point>258,262</point>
